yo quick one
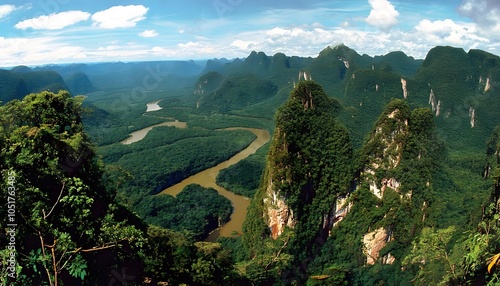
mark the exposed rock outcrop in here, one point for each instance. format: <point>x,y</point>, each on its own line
<point>279,213</point>
<point>472,115</point>
<point>373,242</point>
<point>403,86</point>
<point>435,104</point>
<point>389,156</point>
<point>487,86</point>
<point>304,76</point>
<point>342,208</point>
<point>345,61</point>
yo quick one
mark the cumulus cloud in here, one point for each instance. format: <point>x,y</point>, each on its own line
<point>149,34</point>
<point>242,45</point>
<point>449,31</point>
<point>120,16</point>
<point>383,14</point>
<point>486,13</point>
<point>53,21</point>
<point>37,50</point>
<point>5,10</point>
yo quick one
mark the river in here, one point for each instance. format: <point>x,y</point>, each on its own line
<point>207,178</point>
<point>140,134</point>
<point>153,106</point>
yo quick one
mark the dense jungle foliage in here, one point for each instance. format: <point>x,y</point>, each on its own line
<point>385,170</point>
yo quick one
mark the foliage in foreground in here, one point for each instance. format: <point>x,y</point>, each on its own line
<point>68,229</point>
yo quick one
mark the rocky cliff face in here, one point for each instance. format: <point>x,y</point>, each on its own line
<point>279,214</point>
<point>374,242</point>
<point>387,140</point>
<point>393,152</point>
<point>403,86</point>
<point>386,146</point>
<point>308,169</point>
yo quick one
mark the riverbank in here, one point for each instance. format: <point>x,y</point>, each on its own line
<point>207,178</point>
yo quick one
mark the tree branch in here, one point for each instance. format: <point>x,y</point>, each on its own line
<point>43,253</point>
<point>97,248</point>
<point>277,254</point>
<point>58,198</point>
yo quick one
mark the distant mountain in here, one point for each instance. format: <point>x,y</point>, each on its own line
<point>12,86</point>
<point>218,65</point>
<point>79,83</point>
<point>37,81</point>
<point>400,63</point>
<point>119,75</point>
<point>234,92</point>
<point>208,83</point>
<point>20,81</point>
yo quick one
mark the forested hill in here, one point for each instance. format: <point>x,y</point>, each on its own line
<point>81,79</point>
<point>460,87</point>
<point>386,213</point>
<point>20,81</point>
<point>381,170</point>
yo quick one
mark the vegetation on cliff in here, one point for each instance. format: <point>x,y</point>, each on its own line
<point>68,228</point>
<point>308,167</point>
<point>400,193</point>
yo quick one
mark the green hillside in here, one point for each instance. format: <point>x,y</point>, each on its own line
<point>20,81</point>
<point>236,93</point>
<point>79,83</point>
<point>11,86</point>
<point>380,170</point>
<point>43,80</point>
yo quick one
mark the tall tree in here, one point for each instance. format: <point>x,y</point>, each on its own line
<point>63,213</point>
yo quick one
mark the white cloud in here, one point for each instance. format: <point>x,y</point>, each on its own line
<point>242,45</point>
<point>450,32</point>
<point>120,16</point>
<point>485,13</point>
<point>5,10</point>
<point>38,50</point>
<point>149,34</point>
<point>383,14</point>
<point>54,21</point>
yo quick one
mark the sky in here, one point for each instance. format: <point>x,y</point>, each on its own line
<point>66,31</point>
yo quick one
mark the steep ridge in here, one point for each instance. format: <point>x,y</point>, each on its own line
<point>232,93</point>
<point>392,200</point>
<point>308,168</point>
<point>18,82</point>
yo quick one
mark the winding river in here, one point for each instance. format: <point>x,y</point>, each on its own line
<point>140,134</point>
<point>207,178</point>
<point>153,106</point>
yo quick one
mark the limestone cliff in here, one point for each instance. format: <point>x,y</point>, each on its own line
<point>374,242</point>
<point>395,161</point>
<point>308,169</point>
<point>403,86</point>
<point>279,215</point>
<point>435,104</point>
<point>386,146</point>
<point>472,116</point>
<point>304,76</point>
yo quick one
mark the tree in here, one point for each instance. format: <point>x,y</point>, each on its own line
<point>432,253</point>
<point>63,212</point>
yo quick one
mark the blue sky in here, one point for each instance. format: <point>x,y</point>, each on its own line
<point>66,31</point>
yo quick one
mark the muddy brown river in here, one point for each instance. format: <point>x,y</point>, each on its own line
<point>207,178</point>
<point>140,134</point>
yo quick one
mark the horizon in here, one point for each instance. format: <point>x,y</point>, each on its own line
<point>61,32</point>
<point>197,61</point>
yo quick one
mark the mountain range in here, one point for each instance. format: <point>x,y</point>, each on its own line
<point>381,170</point>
